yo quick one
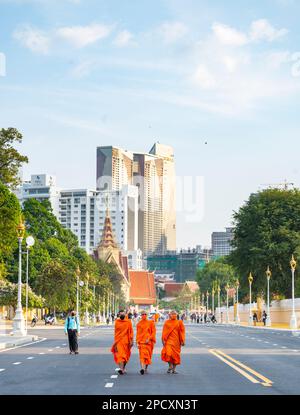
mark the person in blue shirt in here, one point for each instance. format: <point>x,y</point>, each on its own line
<point>72,329</point>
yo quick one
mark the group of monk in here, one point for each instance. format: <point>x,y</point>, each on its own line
<point>173,337</point>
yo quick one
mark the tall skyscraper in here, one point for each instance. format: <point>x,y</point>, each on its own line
<point>114,168</point>
<point>154,175</point>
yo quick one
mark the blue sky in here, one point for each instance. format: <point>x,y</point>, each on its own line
<point>82,73</point>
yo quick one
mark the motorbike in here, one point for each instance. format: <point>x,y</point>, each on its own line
<point>49,320</point>
<point>34,321</point>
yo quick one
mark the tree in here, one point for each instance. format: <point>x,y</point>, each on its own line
<point>10,159</point>
<point>57,286</point>
<point>267,233</point>
<point>9,218</point>
<point>219,271</point>
<point>9,296</point>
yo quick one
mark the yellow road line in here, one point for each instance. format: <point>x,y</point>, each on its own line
<point>223,356</point>
<point>242,372</point>
<point>261,377</point>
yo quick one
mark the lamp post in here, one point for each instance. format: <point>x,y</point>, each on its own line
<point>237,317</point>
<point>293,320</point>
<point>268,320</point>
<point>250,319</point>
<point>227,315</point>
<point>18,322</point>
<point>207,295</point>
<point>29,243</point>
<point>77,290</point>
<point>103,307</point>
<point>213,300</point>
<point>94,306</point>
<point>219,303</point>
<point>87,317</point>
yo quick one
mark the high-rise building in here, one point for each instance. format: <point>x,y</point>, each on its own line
<point>40,187</point>
<point>221,242</point>
<point>83,211</point>
<point>114,168</point>
<point>154,175</point>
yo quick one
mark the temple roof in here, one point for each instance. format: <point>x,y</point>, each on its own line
<point>108,239</point>
<point>142,287</point>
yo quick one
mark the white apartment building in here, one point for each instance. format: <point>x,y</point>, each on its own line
<point>83,211</point>
<point>40,187</point>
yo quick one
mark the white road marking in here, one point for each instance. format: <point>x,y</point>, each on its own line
<point>23,345</point>
<point>30,358</point>
<point>275,344</point>
<point>57,347</point>
<point>114,376</point>
<point>295,351</point>
<point>283,347</point>
<point>109,385</point>
<point>2,370</point>
<point>42,353</point>
<point>64,344</point>
<point>50,350</point>
<point>17,363</point>
<point>267,342</point>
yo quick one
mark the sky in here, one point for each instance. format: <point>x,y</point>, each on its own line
<point>217,80</point>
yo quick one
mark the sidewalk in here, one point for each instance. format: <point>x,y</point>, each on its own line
<point>8,341</point>
<point>275,326</point>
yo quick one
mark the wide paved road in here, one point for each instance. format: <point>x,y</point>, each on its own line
<point>222,360</point>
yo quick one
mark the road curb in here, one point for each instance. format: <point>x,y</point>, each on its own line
<point>265,328</point>
<point>18,342</point>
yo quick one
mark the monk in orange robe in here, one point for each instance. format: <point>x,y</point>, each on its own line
<point>123,341</point>
<point>173,337</point>
<point>145,340</point>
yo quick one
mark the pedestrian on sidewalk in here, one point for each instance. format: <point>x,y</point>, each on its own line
<point>72,329</point>
<point>264,317</point>
<point>255,319</point>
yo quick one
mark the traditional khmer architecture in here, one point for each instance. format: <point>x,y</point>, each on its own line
<point>110,253</point>
<point>142,289</point>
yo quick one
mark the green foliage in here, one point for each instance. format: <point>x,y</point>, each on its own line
<point>267,232</point>
<point>217,272</point>
<point>9,218</point>
<point>10,159</point>
<point>9,295</point>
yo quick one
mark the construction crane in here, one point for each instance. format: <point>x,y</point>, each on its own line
<point>285,185</point>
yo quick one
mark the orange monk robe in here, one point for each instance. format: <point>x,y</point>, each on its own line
<point>145,329</point>
<point>173,336</point>
<point>123,338</point>
<point>156,317</point>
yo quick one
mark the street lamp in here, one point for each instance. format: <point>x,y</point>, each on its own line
<point>77,290</point>
<point>18,322</point>
<point>293,321</point>
<point>103,306</point>
<point>87,317</point>
<point>219,304</point>
<point>250,319</point>
<point>213,300</point>
<point>29,243</point>
<point>207,294</point>
<point>227,315</point>
<point>94,311</point>
<point>237,317</point>
<point>268,320</point>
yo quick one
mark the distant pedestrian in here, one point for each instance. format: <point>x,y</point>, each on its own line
<point>113,317</point>
<point>72,329</point>
<point>255,319</point>
<point>198,318</point>
<point>264,317</point>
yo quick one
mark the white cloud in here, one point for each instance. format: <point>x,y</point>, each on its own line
<point>203,78</point>
<point>33,39</point>
<point>228,35</point>
<point>262,30</point>
<point>124,39</point>
<point>172,31</point>
<point>81,36</point>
